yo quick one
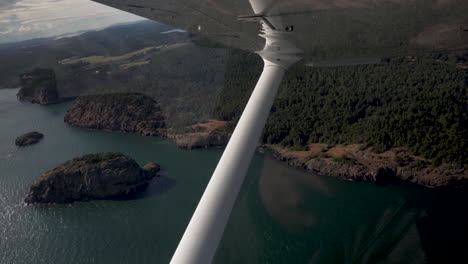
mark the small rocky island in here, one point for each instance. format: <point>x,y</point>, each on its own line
<point>126,112</point>
<point>39,87</point>
<point>90,177</point>
<point>29,139</point>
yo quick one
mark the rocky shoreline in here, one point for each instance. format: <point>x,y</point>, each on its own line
<point>382,172</point>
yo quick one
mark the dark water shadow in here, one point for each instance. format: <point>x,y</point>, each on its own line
<point>442,228</point>
<point>360,222</point>
<point>158,185</point>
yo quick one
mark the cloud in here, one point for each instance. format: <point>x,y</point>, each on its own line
<point>25,19</point>
<point>7,18</point>
<point>24,29</point>
<point>7,31</point>
<point>7,3</point>
<point>63,18</point>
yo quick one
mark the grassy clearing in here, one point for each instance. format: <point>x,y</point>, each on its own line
<point>133,64</point>
<point>105,59</point>
<point>108,59</point>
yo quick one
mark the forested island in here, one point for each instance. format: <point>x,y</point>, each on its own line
<point>141,114</point>
<point>126,112</point>
<point>404,118</point>
<point>90,177</point>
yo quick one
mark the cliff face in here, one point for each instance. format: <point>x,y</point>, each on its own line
<point>93,176</point>
<point>126,112</point>
<point>39,87</point>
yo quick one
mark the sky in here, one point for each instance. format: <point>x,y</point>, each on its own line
<point>26,19</point>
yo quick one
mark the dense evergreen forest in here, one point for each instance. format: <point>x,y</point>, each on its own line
<point>418,103</point>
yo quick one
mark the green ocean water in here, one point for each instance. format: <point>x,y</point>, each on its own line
<point>282,215</point>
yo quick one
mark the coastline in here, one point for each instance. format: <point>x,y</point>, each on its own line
<point>359,164</point>
<point>140,114</point>
<point>347,162</point>
<point>364,165</point>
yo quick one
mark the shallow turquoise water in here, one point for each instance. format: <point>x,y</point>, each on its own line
<point>283,215</point>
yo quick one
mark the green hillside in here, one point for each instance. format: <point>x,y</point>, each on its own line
<point>420,104</point>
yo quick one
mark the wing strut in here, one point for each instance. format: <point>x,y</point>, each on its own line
<point>204,232</point>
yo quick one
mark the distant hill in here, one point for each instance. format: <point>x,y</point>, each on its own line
<point>44,53</point>
<point>184,77</point>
